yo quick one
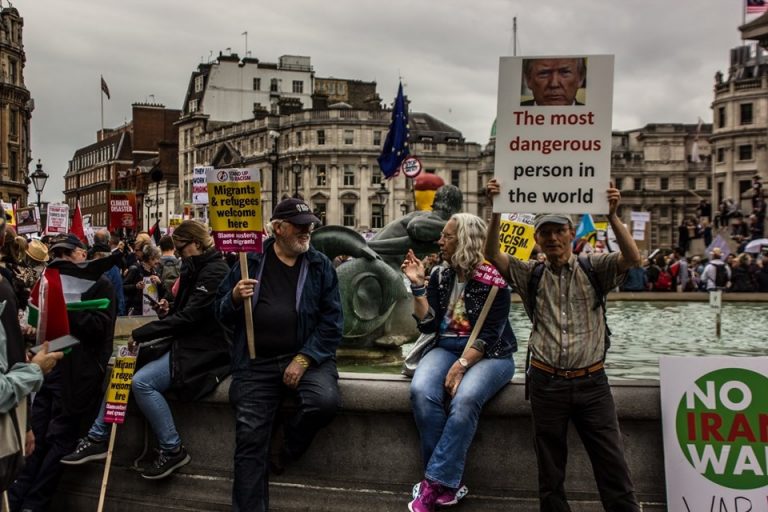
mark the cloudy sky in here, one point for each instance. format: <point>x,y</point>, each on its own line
<point>447,51</point>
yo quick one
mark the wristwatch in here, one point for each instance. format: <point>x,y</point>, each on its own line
<point>464,363</point>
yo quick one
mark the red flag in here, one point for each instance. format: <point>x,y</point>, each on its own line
<point>77,224</point>
<point>756,6</point>
<point>48,311</point>
<point>104,88</point>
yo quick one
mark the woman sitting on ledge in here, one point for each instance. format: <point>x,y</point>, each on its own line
<point>453,382</point>
<point>192,362</point>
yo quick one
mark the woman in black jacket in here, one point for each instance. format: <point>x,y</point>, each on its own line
<point>193,359</point>
<point>148,259</point>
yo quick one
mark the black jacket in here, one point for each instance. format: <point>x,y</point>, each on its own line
<point>81,372</point>
<point>199,351</point>
<point>496,334</point>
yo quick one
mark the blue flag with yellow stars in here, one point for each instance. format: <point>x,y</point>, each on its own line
<point>395,147</point>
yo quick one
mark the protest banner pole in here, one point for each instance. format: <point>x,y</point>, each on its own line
<point>247,309</point>
<point>6,505</point>
<point>234,213</point>
<point>107,465</point>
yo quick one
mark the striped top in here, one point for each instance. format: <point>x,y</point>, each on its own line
<point>569,331</point>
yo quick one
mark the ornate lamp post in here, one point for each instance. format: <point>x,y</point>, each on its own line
<point>39,177</point>
<point>273,158</point>
<point>148,202</point>
<point>296,169</point>
<point>383,194</point>
<point>404,208</point>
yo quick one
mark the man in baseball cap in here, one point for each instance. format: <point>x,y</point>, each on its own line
<point>297,314</point>
<point>550,218</point>
<point>295,211</point>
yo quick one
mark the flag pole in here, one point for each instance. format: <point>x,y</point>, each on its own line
<point>101,95</point>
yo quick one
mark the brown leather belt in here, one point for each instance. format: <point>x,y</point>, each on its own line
<point>567,374</point>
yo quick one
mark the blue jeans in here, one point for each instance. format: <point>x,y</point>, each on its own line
<point>447,425</point>
<point>148,386</point>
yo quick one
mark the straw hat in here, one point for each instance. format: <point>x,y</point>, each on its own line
<point>37,250</point>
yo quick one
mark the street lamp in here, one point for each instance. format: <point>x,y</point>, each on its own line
<point>273,158</point>
<point>296,169</point>
<point>39,177</point>
<point>383,194</point>
<point>149,202</point>
<point>404,208</point>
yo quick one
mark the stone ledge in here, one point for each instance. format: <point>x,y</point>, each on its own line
<point>368,459</point>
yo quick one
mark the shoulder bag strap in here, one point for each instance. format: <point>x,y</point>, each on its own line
<point>481,318</point>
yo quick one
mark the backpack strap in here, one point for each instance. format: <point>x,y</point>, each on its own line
<point>530,309</point>
<point>601,296</point>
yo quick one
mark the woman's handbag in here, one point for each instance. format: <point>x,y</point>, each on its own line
<point>422,345</point>
<point>425,342</point>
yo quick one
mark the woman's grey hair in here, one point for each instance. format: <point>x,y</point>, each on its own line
<point>470,242</point>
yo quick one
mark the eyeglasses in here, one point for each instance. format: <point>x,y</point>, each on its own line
<point>179,248</point>
<point>447,236</point>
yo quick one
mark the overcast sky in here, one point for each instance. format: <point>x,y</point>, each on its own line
<point>447,51</point>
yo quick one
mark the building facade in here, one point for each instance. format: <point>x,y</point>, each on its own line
<point>328,157</point>
<point>323,148</point>
<point>16,108</point>
<point>664,169</point>
<point>140,156</point>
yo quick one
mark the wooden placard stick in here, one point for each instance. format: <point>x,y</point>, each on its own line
<point>247,309</point>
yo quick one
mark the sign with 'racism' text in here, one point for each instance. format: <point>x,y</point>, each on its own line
<point>553,134</point>
<point>715,425</point>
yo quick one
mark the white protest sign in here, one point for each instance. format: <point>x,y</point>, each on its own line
<point>715,432</point>
<point>57,220</point>
<point>200,185</point>
<point>553,142</point>
<point>640,217</point>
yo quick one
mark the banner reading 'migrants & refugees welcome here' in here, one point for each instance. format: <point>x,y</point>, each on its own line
<point>715,422</point>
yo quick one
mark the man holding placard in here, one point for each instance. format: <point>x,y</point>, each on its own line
<point>298,320</point>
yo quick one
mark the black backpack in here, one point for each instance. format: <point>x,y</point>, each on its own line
<point>721,276</point>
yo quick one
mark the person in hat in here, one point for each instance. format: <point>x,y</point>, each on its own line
<point>567,345</point>
<point>296,310</point>
<point>76,299</point>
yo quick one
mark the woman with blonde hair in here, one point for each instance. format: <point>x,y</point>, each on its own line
<point>453,381</point>
<point>192,359</point>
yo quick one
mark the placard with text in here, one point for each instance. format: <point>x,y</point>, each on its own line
<point>553,134</point>
<point>715,425</point>
<point>57,219</point>
<point>234,209</point>
<point>120,385</point>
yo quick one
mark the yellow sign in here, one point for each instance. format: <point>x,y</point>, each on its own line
<point>234,201</point>
<point>516,235</point>
<point>119,387</point>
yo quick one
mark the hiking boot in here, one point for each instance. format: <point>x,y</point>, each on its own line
<point>87,450</point>
<point>166,463</point>
<point>447,498</point>
<point>425,501</point>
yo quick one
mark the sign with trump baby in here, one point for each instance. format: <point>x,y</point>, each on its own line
<point>715,424</point>
<point>553,134</point>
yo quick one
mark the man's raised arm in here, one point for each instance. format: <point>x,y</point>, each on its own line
<point>630,255</point>
<point>492,251</point>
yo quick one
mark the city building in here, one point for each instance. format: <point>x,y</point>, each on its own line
<point>664,169</point>
<point>740,115</point>
<point>321,146</point>
<point>140,156</point>
<point>16,108</point>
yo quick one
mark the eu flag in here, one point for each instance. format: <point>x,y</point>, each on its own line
<point>395,147</point>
